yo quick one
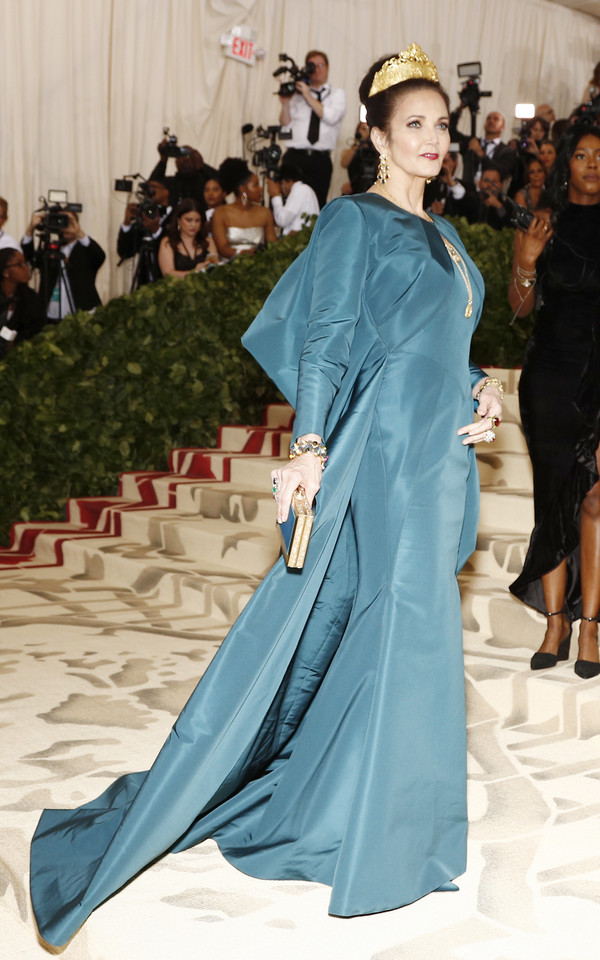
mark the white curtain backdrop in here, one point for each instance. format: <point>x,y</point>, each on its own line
<point>86,86</point>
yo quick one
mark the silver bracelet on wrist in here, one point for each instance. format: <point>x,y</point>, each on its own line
<point>526,278</point>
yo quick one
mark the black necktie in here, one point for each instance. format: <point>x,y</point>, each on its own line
<point>315,123</point>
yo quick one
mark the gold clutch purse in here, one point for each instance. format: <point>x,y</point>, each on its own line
<point>295,532</point>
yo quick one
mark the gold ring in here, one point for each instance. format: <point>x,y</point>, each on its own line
<point>495,421</point>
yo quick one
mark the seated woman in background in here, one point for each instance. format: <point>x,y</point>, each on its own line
<point>22,312</point>
<point>244,225</point>
<point>535,178</point>
<point>547,155</point>
<point>360,159</point>
<point>186,249</point>
<point>214,196</point>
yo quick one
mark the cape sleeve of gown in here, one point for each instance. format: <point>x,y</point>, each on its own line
<point>304,334</point>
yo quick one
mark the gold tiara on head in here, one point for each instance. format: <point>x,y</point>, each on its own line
<point>411,63</point>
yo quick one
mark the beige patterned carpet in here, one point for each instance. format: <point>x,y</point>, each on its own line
<point>98,655</point>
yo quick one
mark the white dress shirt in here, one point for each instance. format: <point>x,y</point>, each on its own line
<point>334,108</point>
<point>490,145</point>
<point>301,203</point>
<point>61,303</point>
<point>7,241</point>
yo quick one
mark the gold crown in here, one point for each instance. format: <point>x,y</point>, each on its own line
<point>409,64</point>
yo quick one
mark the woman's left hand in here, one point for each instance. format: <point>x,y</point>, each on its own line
<point>490,411</point>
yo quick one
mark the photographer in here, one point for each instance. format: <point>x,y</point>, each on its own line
<point>74,287</point>
<point>489,147</point>
<point>140,233</point>
<point>293,202</point>
<point>486,205</point>
<point>446,195</point>
<point>192,172</point>
<point>314,114</point>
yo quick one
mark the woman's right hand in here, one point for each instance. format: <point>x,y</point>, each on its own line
<point>304,471</point>
<point>535,238</point>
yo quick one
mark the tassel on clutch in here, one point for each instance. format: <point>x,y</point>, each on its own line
<point>295,532</point>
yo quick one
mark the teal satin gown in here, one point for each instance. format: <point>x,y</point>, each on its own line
<point>326,740</point>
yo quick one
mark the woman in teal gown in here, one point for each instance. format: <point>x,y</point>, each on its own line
<point>326,740</point>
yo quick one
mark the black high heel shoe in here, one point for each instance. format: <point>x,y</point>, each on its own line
<point>543,660</point>
<point>586,669</point>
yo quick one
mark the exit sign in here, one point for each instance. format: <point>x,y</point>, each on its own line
<point>243,50</point>
<point>240,45</point>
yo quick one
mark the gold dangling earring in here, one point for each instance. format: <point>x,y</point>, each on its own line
<point>383,170</point>
<point>429,179</point>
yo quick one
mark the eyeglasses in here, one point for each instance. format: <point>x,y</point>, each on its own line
<point>317,65</point>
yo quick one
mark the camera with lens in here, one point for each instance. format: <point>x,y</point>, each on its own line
<point>269,156</point>
<point>470,94</point>
<point>55,210</point>
<point>295,73</point>
<point>588,112</point>
<point>171,148</point>
<point>144,194</point>
<point>147,205</point>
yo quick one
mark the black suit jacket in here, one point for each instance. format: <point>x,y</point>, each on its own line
<point>502,156</point>
<point>477,212</point>
<point>439,190</point>
<point>82,266</point>
<point>129,243</point>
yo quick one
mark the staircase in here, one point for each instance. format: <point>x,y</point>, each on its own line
<point>109,619</point>
<point>199,536</point>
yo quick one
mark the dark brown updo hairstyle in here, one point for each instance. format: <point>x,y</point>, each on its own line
<point>381,106</point>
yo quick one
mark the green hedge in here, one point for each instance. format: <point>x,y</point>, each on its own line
<point>162,368</point>
<point>498,341</point>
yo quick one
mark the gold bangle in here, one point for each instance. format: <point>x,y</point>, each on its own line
<point>491,382</point>
<point>316,447</point>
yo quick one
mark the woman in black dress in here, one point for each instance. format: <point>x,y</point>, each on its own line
<point>186,249</point>
<point>557,266</point>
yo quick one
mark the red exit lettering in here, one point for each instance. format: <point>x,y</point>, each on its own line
<point>242,48</point>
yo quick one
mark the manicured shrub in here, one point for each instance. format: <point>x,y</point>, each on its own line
<point>164,367</point>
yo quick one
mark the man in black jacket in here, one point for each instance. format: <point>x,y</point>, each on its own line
<point>143,227</point>
<point>490,147</point>
<point>486,205</point>
<point>68,266</point>
<point>446,195</point>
